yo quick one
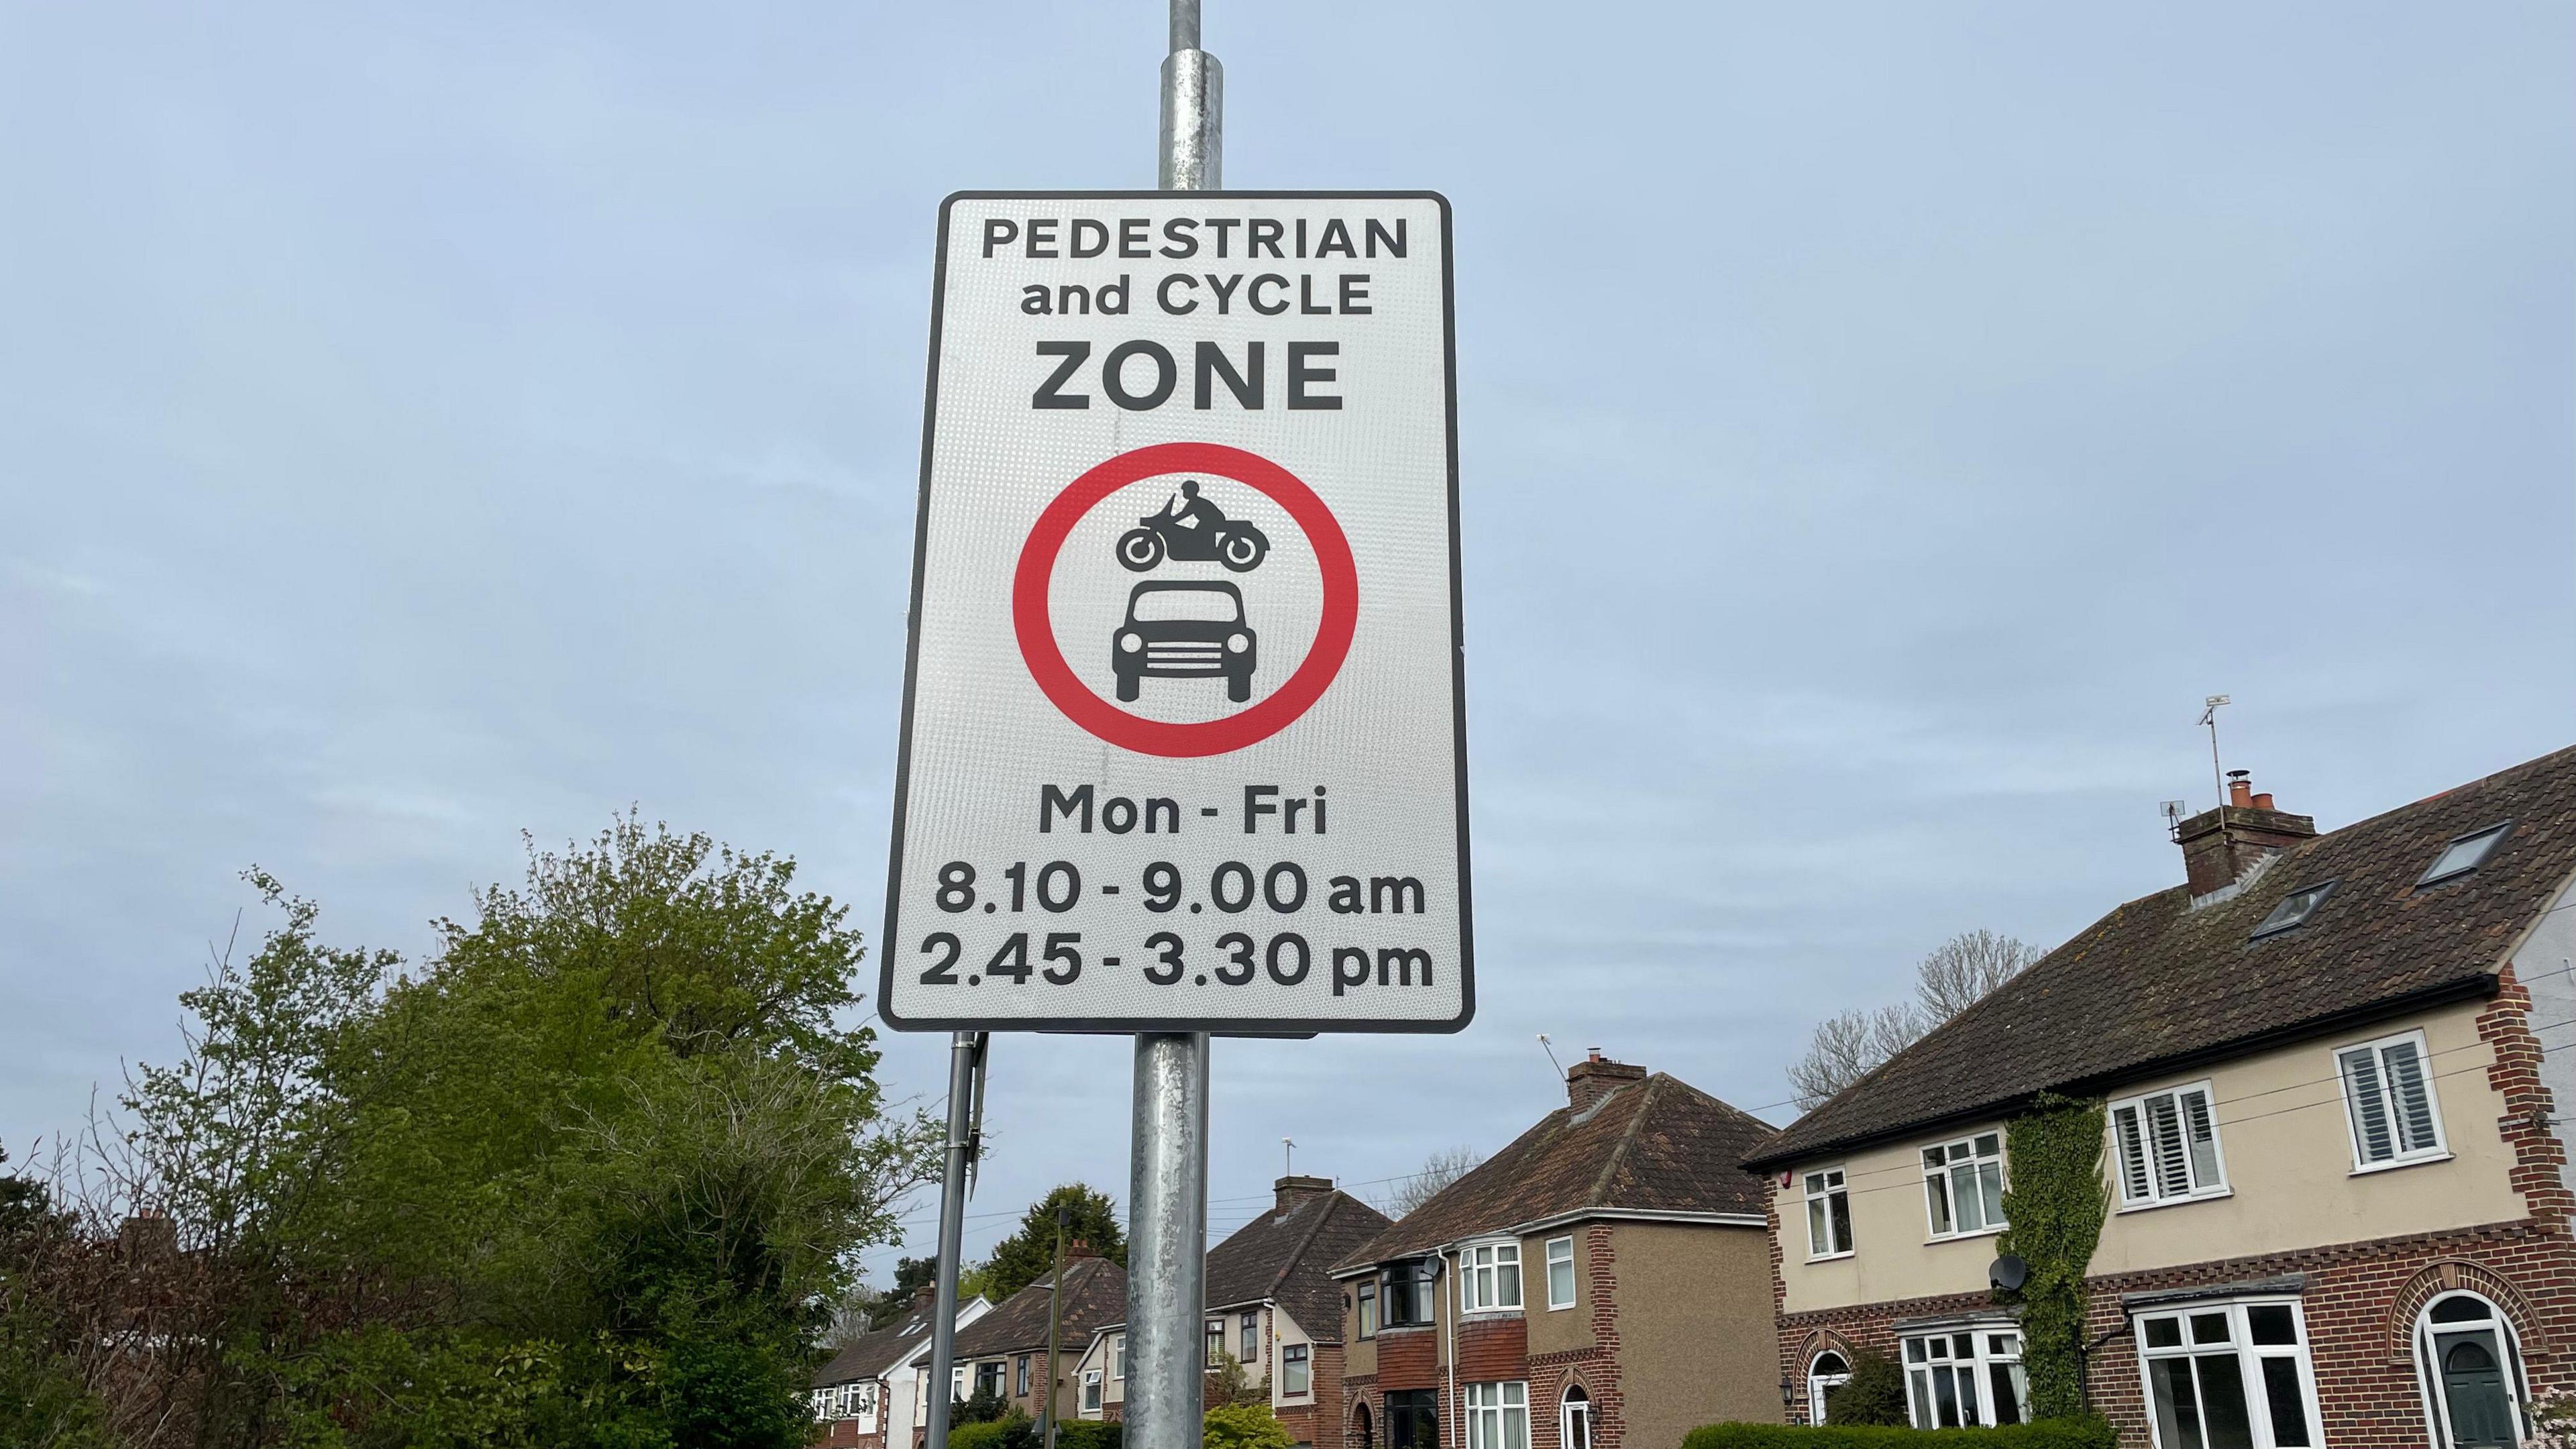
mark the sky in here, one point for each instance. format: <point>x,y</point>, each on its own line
<point>1881,425</point>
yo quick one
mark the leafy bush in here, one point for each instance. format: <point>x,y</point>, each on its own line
<point>1089,1434</point>
<point>1875,1393</point>
<point>2085,1433</point>
<point>1245,1426</point>
<point>1012,1431</point>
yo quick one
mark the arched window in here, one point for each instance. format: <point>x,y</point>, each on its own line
<point>1574,1419</point>
<point>1829,1370</point>
<point>2470,1365</point>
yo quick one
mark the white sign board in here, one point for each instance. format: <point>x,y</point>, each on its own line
<point>1183,730</point>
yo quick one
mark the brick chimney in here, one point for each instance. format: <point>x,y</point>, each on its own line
<point>927,1295</point>
<point>1291,1191</point>
<point>2220,846</point>
<point>148,1235</point>
<point>1596,1077</point>
<point>1079,1248</point>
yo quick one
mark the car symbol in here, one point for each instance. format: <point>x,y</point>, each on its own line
<point>1184,629</point>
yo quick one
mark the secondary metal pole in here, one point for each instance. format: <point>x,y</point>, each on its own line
<point>1167,1173</point>
<point>1055,1329</point>
<point>962,1047</point>
<point>1167,1242</point>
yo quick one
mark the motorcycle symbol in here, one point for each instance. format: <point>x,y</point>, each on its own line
<point>1194,531</point>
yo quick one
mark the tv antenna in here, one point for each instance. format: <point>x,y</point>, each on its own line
<point>1551,1058</point>
<point>2173,811</point>
<point>1288,1153</point>
<point>2217,777</point>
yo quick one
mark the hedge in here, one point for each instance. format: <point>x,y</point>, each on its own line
<point>2085,1433</point>
<point>1021,1432</point>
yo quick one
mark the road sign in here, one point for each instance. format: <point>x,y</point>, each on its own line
<point>1183,723</point>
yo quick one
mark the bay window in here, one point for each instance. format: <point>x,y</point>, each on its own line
<point>1965,1376</point>
<point>1408,1292</point>
<point>2228,1376</point>
<point>1963,1186</point>
<point>1497,1415</point>
<point>1489,1277</point>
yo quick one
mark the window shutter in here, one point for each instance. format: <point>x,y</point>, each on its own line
<point>2370,1123</point>
<point>2173,1168</point>
<point>2202,1131</point>
<point>2133,1156</point>
<point>2414,1103</point>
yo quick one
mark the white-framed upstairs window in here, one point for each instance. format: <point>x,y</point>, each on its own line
<point>1091,1391</point>
<point>1963,1186</point>
<point>1489,1277</point>
<point>2229,1374</point>
<point>1829,1231</point>
<point>2167,1146</point>
<point>2389,1103</point>
<point>1560,1272</point>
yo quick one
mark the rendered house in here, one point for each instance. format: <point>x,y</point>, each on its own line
<point>873,1394</point>
<point>1602,1282</point>
<point>2338,1180</point>
<point>1272,1305</point>
<point>1006,1350</point>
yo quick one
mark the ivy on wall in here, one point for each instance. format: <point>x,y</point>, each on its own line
<point>2056,1204</point>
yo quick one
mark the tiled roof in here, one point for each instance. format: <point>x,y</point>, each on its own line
<point>2157,983</point>
<point>870,1354</point>
<point>1095,1293</point>
<point>1659,1145</point>
<point>1290,1256</point>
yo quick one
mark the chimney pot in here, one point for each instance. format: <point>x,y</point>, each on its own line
<point>2263,802</point>
<point>1079,1248</point>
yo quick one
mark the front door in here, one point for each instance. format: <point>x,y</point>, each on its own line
<point>2473,1385</point>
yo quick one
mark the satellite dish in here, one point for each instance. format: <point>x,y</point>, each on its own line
<point>2008,1273</point>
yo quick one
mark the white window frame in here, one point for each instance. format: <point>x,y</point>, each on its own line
<point>2249,1361</point>
<point>2141,1112</point>
<point>1303,1355</point>
<point>1092,1394</point>
<point>2440,1151</point>
<point>1945,1177</point>
<point>2428,1366</point>
<point>1916,1355</point>
<point>1489,1410</point>
<point>863,1405</point>
<point>1489,1276</point>
<point>1118,1357</point>
<point>1821,1186</point>
<point>1548,1254</point>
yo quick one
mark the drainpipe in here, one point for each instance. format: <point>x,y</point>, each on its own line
<point>1449,1326</point>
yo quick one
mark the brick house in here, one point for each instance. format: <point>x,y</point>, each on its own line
<point>1006,1350</point>
<point>873,1393</point>
<point>1272,1304</point>
<point>2339,1197</point>
<point>1600,1283</point>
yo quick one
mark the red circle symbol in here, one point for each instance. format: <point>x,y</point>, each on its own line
<point>1266,717</point>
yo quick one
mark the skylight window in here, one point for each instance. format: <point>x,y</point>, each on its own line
<point>2294,910</point>
<point>2466,853</point>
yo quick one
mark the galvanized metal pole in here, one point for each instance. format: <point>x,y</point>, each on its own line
<point>1167,1242</point>
<point>952,1234</point>
<point>1167,1175</point>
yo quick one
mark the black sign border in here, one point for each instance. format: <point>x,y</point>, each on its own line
<point>1226,1026</point>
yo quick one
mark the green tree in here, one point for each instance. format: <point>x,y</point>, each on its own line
<point>1028,1254</point>
<point>1874,1394</point>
